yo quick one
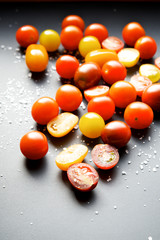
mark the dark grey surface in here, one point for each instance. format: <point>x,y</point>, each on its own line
<point>36,199</point>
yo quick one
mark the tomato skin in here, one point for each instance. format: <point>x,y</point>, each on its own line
<point>113,43</point>
<point>88,44</point>
<point>70,37</point>
<point>113,71</point>
<point>98,30</point>
<point>122,93</point>
<point>132,32</point>
<point>103,105</point>
<point>66,66</point>
<point>34,145</point>
<point>50,39</point>
<point>73,20</point>
<point>151,96</point>
<point>140,83</point>
<point>138,115</point>
<point>87,75</point>
<point>27,35</point>
<point>96,91</point>
<point>147,47</point>
<point>116,133</point>
<point>157,62</point>
<point>83,176</point>
<point>44,109</point>
<point>68,97</point>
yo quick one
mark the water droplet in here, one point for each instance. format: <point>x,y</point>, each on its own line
<point>76,127</point>
<point>109,179</point>
<point>145,189</point>
<point>1,175</point>
<point>124,173</point>
<point>129,162</point>
<point>144,205</point>
<point>150,238</point>
<point>31,223</point>
<point>154,169</point>
<point>96,212</point>
<point>21,213</point>
<point>141,167</point>
<point>115,207</point>
<point>126,151</point>
<point>157,166</point>
<point>4,186</point>
<point>149,138</point>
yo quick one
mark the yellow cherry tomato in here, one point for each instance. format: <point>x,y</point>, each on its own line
<point>73,154</point>
<point>150,71</point>
<point>101,56</point>
<point>91,125</point>
<point>88,44</point>
<point>62,124</point>
<point>129,57</point>
<point>50,39</point>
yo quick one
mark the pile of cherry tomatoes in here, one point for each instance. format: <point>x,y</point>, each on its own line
<point>103,57</point>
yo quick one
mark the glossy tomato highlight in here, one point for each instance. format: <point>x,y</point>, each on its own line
<point>147,47</point>
<point>27,35</point>
<point>73,20</point>
<point>151,96</point>
<point>98,30</point>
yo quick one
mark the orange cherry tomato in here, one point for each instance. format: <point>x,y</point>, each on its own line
<point>68,97</point>
<point>151,96</point>
<point>36,58</point>
<point>157,62</point>
<point>122,93</point>
<point>70,37</point>
<point>113,43</point>
<point>132,32</point>
<point>27,35</point>
<point>140,83</point>
<point>66,66</point>
<point>44,109</point>
<point>34,145</point>
<point>98,30</point>
<point>73,20</point>
<point>147,47</point>
<point>113,71</point>
<point>138,115</point>
<point>97,91</point>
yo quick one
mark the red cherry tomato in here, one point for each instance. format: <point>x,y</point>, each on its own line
<point>70,37</point>
<point>34,145</point>
<point>68,97</point>
<point>87,75</point>
<point>66,66</point>
<point>103,105</point>
<point>105,156</point>
<point>122,93</point>
<point>132,32</point>
<point>113,71</point>
<point>27,35</point>
<point>146,46</point>
<point>157,62</point>
<point>73,20</point>
<point>44,109</point>
<point>83,176</point>
<point>97,91</point>
<point>138,115</point>
<point>113,43</point>
<point>116,133</point>
<point>151,96</point>
<point>98,30</point>
<point>140,83</point>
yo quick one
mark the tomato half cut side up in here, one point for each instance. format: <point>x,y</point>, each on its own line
<point>105,156</point>
<point>83,176</point>
<point>96,91</point>
<point>113,43</point>
<point>140,83</point>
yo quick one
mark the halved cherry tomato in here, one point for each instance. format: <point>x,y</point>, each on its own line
<point>73,20</point>
<point>151,96</point>
<point>103,105</point>
<point>98,30</point>
<point>157,62</point>
<point>140,83</point>
<point>50,39</point>
<point>71,155</point>
<point>129,57</point>
<point>88,44</point>
<point>44,109</point>
<point>150,71</point>
<point>105,156</point>
<point>113,43</point>
<point>83,176</point>
<point>147,47</point>
<point>27,35</point>
<point>116,133</point>
<point>66,66</point>
<point>138,115</point>
<point>97,91</point>
<point>34,145</point>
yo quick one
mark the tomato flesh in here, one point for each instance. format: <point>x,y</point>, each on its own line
<point>97,91</point>
<point>113,43</point>
<point>140,83</point>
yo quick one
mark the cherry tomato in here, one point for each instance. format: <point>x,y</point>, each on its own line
<point>91,125</point>
<point>129,57</point>
<point>73,20</point>
<point>122,93</point>
<point>103,105</point>
<point>70,37</point>
<point>113,43</point>
<point>88,44</point>
<point>157,62</point>
<point>34,145</point>
<point>116,133</point>
<point>98,30</point>
<point>132,32</point>
<point>83,176</point>
<point>50,39</point>
<point>44,109</point>
<point>27,35</point>
<point>147,47</point>
<point>113,71</point>
<point>150,71</point>
<point>97,91</point>
<point>138,115</point>
<point>66,66</point>
<point>68,97</point>
<point>87,75</point>
<point>105,156</point>
<point>140,83</point>
<point>151,96</point>
<point>36,58</point>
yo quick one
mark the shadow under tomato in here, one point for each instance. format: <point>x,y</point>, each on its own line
<point>141,133</point>
<point>105,175</point>
<point>39,77</point>
<point>36,167</point>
